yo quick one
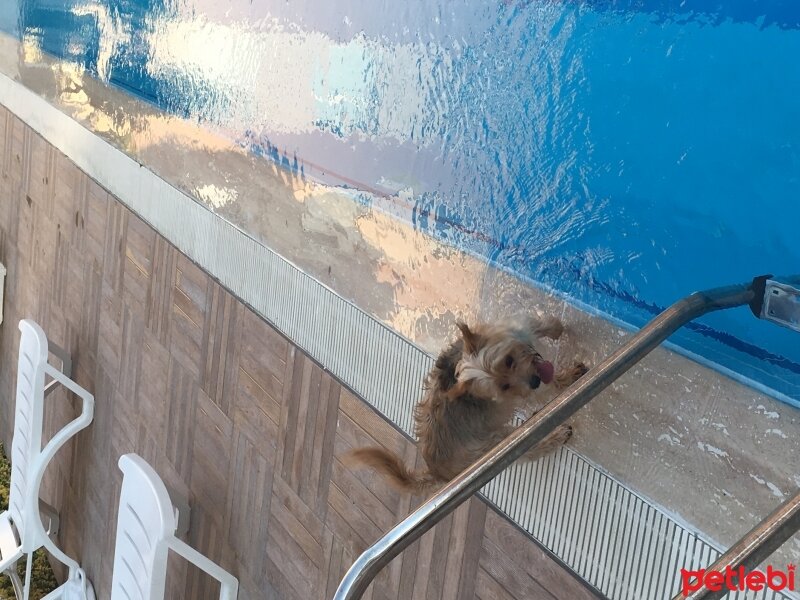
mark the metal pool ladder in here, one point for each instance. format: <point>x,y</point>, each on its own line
<point>773,299</point>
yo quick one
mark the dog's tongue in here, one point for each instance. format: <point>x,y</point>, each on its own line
<point>545,370</point>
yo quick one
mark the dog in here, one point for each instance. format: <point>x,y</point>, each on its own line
<point>471,395</point>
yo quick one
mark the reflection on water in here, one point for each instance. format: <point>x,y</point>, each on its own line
<point>624,154</point>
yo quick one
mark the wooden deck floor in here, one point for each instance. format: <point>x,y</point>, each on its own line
<point>227,410</point>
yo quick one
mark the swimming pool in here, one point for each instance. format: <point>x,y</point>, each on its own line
<point>621,153</point>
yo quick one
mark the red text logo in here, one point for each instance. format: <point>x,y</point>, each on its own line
<point>738,580</point>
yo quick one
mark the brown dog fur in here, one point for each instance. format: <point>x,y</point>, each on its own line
<point>473,391</point>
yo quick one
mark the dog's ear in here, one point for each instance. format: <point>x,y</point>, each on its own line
<point>470,338</point>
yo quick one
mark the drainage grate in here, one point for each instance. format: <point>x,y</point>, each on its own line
<point>606,533</point>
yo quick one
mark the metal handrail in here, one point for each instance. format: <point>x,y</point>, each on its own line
<point>534,430</point>
<point>754,547</point>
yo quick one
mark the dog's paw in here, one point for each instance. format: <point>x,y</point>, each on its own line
<point>567,377</point>
<point>550,327</point>
<point>554,440</point>
<point>579,370</point>
<point>562,433</point>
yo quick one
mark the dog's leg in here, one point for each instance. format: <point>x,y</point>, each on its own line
<point>557,438</point>
<point>566,377</point>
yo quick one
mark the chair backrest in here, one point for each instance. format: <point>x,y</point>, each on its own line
<point>145,522</point>
<point>28,416</point>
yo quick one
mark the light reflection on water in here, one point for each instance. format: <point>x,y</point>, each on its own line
<point>624,157</point>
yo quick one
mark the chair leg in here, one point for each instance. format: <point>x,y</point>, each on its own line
<point>66,364</point>
<point>16,582</point>
<point>76,587</point>
<point>63,356</point>
<point>182,511</point>
<point>53,520</point>
<point>26,588</point>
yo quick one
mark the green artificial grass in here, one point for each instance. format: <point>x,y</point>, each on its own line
<point>42,579</point>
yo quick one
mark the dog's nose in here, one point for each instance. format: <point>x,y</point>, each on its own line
<point>534,382</point>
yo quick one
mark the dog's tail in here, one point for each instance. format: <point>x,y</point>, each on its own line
<point>392,467</point>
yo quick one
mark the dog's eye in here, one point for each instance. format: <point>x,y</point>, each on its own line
<point>505,387</point>
<point>509,361</point>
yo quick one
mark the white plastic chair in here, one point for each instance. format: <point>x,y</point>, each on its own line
<point>21,528</point>
<point>146,527</point>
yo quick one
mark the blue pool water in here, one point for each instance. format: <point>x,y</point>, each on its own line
<point>624,153</point>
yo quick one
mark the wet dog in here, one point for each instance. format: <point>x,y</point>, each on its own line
<point>472,393</point>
